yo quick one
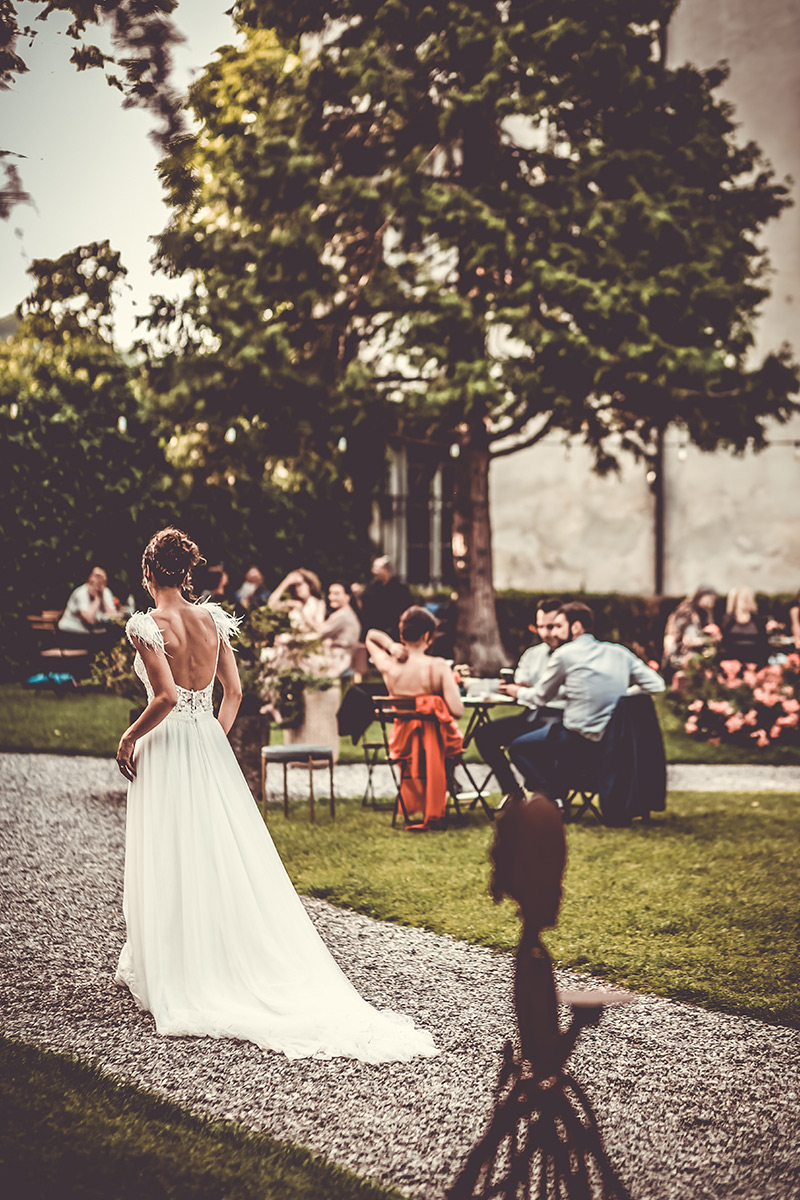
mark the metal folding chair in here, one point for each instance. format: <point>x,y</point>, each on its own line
<point>389,709</point>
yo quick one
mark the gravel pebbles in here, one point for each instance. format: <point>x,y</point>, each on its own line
<point>691,1103</point>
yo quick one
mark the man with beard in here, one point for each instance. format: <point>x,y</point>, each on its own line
<point>591,676</point>
<point>534,722</point>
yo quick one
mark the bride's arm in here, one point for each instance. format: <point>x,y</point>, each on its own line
<point>165,697</point>
<point>228,676</point>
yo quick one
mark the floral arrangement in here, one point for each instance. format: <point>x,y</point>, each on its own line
<point>728,702</point>
<point>277,664</point>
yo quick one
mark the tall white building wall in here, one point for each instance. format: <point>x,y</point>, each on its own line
<point>729,521</point>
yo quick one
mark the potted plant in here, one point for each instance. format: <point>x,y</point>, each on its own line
<point>285,669</point>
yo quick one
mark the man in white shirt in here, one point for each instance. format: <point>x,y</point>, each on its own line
<point>591,676</point>
<point>535,722</point>
<point>90,605</point>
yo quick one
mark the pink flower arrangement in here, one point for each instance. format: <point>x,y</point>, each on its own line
<point>732,703</point>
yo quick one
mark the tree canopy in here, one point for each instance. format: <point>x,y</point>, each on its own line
<point>83,474</point>
<point>471,223</point>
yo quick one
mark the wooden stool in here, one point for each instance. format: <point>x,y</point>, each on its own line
<point>298,753</point>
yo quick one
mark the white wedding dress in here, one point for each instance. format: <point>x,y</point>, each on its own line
<point>218,942</point>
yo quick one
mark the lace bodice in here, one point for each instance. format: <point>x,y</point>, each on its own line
<point>193,703</point>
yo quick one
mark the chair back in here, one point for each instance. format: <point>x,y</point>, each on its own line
<point>399,708</point>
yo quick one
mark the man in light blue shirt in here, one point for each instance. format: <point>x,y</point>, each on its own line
<point>492,737</point>
<point>591,676</point>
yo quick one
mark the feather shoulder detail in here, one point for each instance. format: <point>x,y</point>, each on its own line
<point>142,626</point>
<point>227,625</point>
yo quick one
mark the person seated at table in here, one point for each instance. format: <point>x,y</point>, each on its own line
<point>408,670</point>
<point>690,629</point>
<point>593,676</point>
<point>252,593</point>
<point>744,632</point>
<point>492,737</point>
<point>90,607</point>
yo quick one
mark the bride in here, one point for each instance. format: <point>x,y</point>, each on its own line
<point>218,942</point>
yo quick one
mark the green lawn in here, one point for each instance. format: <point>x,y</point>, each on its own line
<point>67,1130</point>
<point>87,722</point>
<point>699,905</point>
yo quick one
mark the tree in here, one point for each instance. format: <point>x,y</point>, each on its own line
<point>474,223</point>
<point>83,472</point>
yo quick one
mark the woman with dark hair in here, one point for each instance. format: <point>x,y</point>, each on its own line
<point>218,942</point>
<point>409,670</point>
<point>341,630</point>
<point>744,631</point>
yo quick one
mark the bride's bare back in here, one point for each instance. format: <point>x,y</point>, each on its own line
<point>191,642</point>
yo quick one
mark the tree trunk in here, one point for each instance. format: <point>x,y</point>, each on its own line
<point>477,634</point>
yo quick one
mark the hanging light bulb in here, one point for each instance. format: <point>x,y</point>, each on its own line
<point>342,444</point>
<point>230,435</point>
<point>122,424</point>
<point>231,478</point>
<point>455,450</point>
<point>13,410</point>
<point>650,476</point>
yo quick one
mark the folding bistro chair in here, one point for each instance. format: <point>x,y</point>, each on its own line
<point>389,709</point>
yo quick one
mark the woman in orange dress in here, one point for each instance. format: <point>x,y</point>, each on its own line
<point>408,670</point>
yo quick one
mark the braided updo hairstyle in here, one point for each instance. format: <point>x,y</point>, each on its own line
<point>169,557</point>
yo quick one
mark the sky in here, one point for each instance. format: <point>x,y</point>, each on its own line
<point>90,166</point>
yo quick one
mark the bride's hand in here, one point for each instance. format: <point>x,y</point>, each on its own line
<point>125,756</point>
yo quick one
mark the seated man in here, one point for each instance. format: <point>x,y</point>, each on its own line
<point>408,670</point>
<point>494,735</point>
<point>593,676</point>
<point>89,609</point>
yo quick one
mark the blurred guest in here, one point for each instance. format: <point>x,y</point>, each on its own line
<point>593,676</point>
<point>252,593</point>
<point>90,606</point>
<point>216,584</point>
<point>690,629</point>
<point>794,619</point>
<point>744,632</point>
<point>340,631</point>
<point>300,595</point>
<point>493,736</point>
<point>385,599</point>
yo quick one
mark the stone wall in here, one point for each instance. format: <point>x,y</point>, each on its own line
<point>729,521</point>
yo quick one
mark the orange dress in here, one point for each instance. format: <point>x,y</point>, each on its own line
<point>424,745</point>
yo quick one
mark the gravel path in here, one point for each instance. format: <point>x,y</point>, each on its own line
<point>691,1103</point>
<point>350,779</point>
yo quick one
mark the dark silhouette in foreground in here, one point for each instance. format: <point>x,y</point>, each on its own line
<point>543,1140</point>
